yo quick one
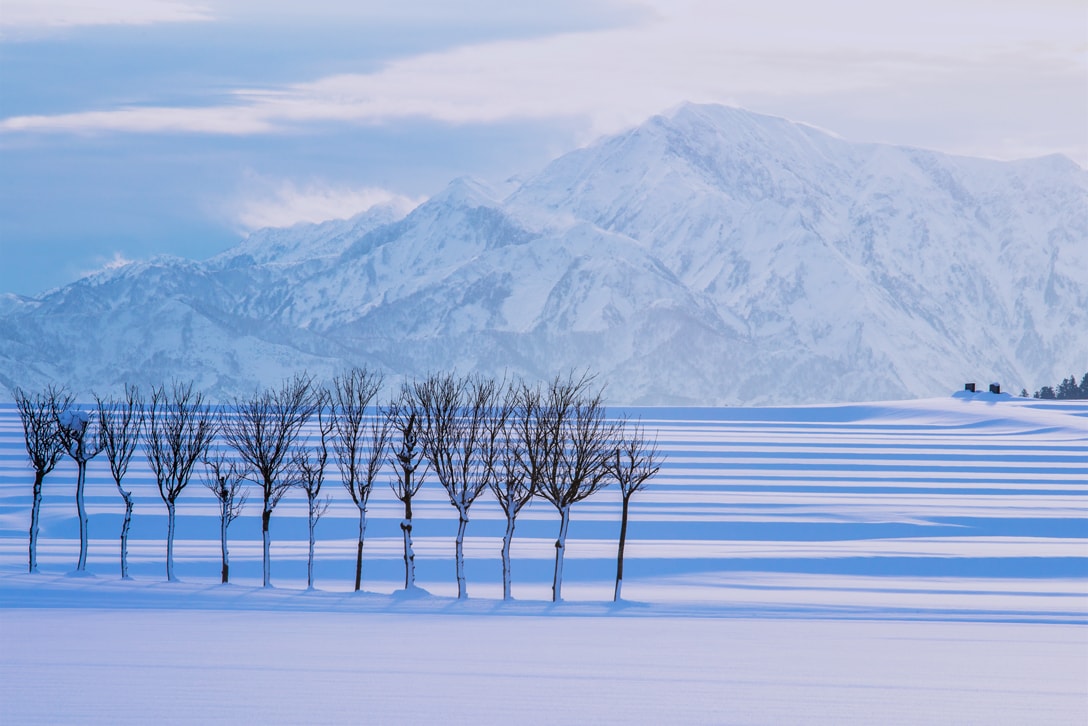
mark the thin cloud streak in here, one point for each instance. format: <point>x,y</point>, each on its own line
<point>686,51</point>
<point>284,203</point>
<point>226,120</point>
<point>36,15</point>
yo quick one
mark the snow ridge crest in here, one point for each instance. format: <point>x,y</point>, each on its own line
<point>709,256</point>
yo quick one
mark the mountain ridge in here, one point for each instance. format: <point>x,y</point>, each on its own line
<point>712,257</point>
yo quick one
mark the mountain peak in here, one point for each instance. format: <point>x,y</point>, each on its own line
<point>465,192</point>
<point>308,240</point>
<point>711,255</point>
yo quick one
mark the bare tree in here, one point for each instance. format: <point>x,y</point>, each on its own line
<point>43,446</point>
<point>632,464</point>
<point>461,434</point>
<point>580,444</point>
<point>78,432</point>
<point>514,482</point>
<point>263,430</point>
<point>178,428</point>
<point>308,472</point>
<point>406,457</point>
<point>119,423</point>
<point>358,456</point>
<point>224,478</point>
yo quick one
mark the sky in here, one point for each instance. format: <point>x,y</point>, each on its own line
<point>134,128</point>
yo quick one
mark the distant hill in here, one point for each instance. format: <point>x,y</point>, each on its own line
<point>708,256</point>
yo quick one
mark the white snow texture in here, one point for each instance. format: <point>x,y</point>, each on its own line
<point>921,562</point>
<point>709,256</point>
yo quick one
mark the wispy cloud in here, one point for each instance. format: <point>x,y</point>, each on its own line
<point>284,203</point>
<point>227,120</point>
<point>104,264</point>
<point>20,16</point>
<point>685,50</point>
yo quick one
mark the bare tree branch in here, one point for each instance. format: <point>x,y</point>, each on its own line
<point>178,429</point>
<point>308,473</point>
<point>406,456</point>
<point>43,446</point>
<point>632,464</point>
<point>577,445</point>
<point>78,432</point>
<point>263,430</point>
<point>512,484</point>
<point>358,456</point>
<point>224,478</point>
<point>119,424</point>
<point>461,431</point>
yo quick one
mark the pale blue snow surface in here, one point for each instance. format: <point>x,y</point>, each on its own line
<point>904,562</point>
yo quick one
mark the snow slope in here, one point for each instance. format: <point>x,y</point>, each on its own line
<point>899,562</point>
<point>223,667</point>
<point>709,256</point>
<point>804,507</point>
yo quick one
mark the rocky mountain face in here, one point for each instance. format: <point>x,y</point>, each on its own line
<point>710,256</point>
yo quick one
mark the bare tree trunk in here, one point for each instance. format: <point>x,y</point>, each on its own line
<point>560,548</point>
<point>359,551</point>
<point>619,555</point>
<point>223,549</point>
<point>266,538</point>
<point>506,540</point>
<point>127,496</point>
<point>462,587</point>
<point>35,513</point>
<point>81,479</point>
<point>170,541</point>
<point>409,553</point>
<point>310,560</point>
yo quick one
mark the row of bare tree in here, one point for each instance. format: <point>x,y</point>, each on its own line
<point>472,434</point>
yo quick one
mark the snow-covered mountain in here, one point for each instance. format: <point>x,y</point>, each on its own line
<point>709,256</point>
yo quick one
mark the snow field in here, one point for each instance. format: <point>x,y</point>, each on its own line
<point>914,562</point>
<point>208,666</point>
